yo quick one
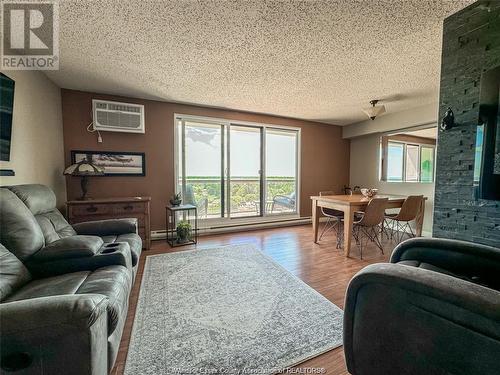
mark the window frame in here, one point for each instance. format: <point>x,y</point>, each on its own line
<point>403,164</point>
<point>384,160</point>
<point>433,172</point>
<point>226,219</point>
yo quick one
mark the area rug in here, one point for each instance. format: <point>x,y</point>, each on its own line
<point>229,310</point>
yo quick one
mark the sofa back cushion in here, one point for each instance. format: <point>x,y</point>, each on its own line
<point>20,232</point>
<point>13,274</point>
<point>41,201</point>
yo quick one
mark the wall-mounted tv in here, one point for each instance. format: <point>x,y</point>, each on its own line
<point>6,109</point>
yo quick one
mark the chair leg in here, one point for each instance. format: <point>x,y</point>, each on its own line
<point>325,228</point>
<point>367,234</point>
<point>384,228</point>
<point>377,240</point>
<point>357,234</point>
<point>361,247</point>
<point>340,233</point>
<point>411,231</point>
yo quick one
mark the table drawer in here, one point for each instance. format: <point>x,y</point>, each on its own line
<point>113,208</point>
<point>90,210</point>
<point>128,208</point>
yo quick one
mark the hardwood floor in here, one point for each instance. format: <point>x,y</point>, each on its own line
<point>321,266</point>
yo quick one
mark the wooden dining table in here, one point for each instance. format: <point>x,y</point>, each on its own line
<point>349,204</point>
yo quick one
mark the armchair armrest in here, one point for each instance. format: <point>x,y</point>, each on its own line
<point>58,334</point>
<point>107,227</point>
<point>401,319</point>
<point>474,261</point>
<point>422,247</point>
<point>69,247</point>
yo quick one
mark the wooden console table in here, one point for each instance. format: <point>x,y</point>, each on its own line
<point>113,208</point>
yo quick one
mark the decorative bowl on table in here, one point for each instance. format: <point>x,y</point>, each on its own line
<point>369,193</point>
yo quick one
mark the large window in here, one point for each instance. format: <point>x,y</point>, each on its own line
<point>236,170</point>
<point>406,162</point>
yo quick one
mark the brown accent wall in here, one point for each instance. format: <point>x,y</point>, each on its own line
<point>324,154</point>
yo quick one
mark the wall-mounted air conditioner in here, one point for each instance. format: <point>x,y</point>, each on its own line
<point>117,117</point>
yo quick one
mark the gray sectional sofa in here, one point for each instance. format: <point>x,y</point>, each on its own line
<point>64,289</point>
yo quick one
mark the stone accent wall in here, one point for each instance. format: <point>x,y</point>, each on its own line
<point>471,44</point>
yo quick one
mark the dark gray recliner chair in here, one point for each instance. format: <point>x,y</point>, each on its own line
<point>36,232</point>
<point>65,324</point>
<point>435,309</point>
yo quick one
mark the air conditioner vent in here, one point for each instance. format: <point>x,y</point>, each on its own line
<point>118,117</point>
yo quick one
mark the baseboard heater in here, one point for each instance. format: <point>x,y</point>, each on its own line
<point>161,234</point>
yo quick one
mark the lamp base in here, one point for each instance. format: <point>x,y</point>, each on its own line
<point>84,182</point>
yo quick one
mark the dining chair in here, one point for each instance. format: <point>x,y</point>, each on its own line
<point>333,219</point>
<point>399,223</point>
<point>368,226</point>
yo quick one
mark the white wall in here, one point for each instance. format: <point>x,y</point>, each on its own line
<point>37,148</point>
<point>422,115</point>
<point>364,172</point>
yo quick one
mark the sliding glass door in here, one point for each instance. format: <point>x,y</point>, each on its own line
<point>245,170</point>
<point>281,170</point>
<point>201,179</point>
<point>236,170</point>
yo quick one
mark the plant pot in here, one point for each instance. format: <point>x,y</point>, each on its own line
<point>175,202</point>
<point>183,235</point>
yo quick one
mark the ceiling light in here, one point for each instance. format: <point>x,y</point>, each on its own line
<point>374,110</point>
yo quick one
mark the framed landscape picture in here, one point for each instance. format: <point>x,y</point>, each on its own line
<point>114,163</point>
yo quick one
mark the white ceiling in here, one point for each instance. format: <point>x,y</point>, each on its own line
<point>316,60</point>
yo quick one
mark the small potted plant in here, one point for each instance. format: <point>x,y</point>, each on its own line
<point>183,231</point>
<point>176,200</point>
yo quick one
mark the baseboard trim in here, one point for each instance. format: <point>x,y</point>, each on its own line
<point>162,234</point>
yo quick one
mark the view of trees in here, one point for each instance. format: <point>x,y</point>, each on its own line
<point>244,192</point>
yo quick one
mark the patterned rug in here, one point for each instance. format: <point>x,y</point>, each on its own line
<point>229,310</point>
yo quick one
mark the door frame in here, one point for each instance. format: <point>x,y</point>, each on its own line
<point>226,122</point>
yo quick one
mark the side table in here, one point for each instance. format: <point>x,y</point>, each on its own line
<point>181,224</point>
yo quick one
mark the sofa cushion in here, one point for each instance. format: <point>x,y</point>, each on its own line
<point>13,273</point>
<point>41,201</point>
<point>38,198</point>
<point>134,241</point>
<point>54,226</point>
<point>50,286</point>
<point>113,282</point>
<point>20,231</point>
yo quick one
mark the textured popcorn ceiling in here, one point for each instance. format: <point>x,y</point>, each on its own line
<point>317,60</point>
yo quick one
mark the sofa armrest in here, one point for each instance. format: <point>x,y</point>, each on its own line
<point>58,334</point>
<point>117,253</point>
<point>402,319</point>
<point>423,248</point>
<point>107,227</point>
<point>69,247</point>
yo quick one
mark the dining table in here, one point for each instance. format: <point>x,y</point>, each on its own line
<point>349,204</point>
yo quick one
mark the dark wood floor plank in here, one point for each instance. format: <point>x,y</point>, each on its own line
<point>321,266</point>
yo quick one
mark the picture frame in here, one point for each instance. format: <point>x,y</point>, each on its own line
<point>114,163</point>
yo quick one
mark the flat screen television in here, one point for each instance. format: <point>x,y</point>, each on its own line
<point>6,109</point>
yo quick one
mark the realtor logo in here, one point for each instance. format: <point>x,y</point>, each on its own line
<point>30,35</point>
